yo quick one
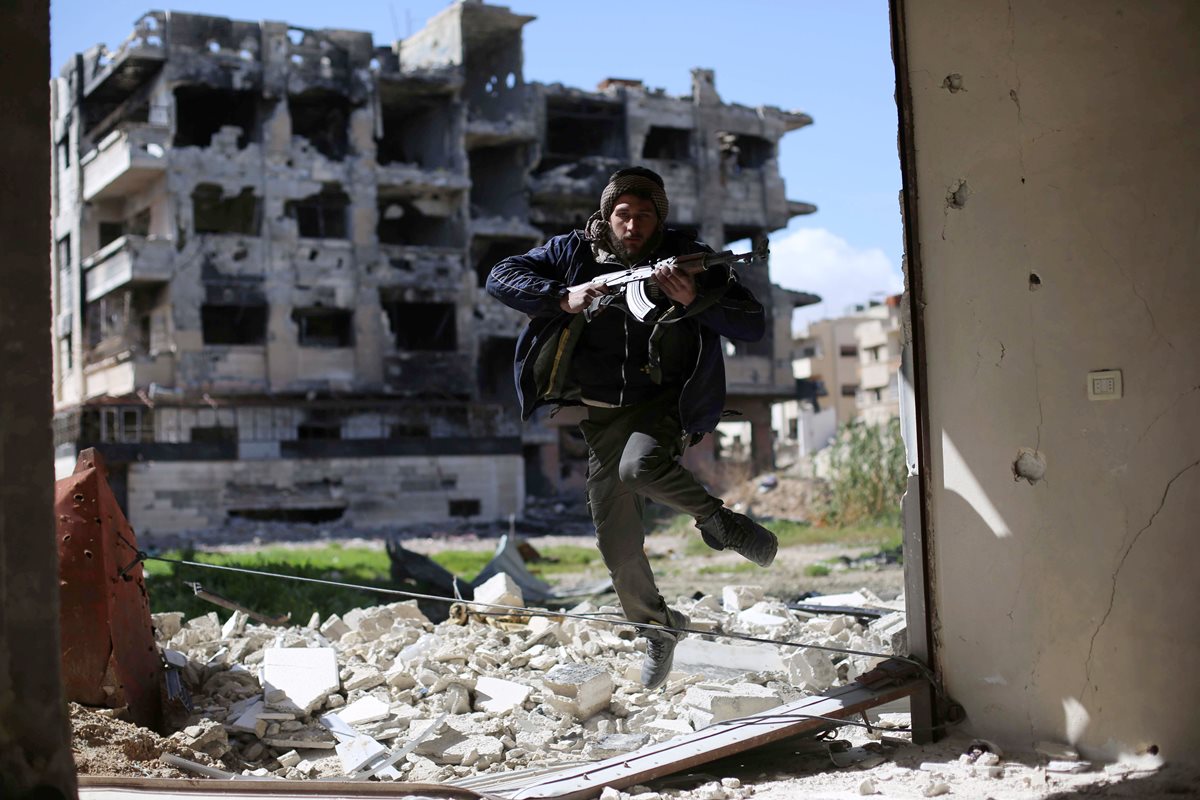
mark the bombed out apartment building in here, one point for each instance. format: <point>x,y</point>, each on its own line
<point>270,245</point>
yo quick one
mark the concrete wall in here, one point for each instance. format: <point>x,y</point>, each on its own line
<point>167,497</point>
<point>35,752</point>
<point>1056,158</point>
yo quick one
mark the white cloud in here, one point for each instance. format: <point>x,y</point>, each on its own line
<point>821,262</point>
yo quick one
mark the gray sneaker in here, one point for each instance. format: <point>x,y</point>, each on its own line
<point>725,528</point>
<point>660,650</point>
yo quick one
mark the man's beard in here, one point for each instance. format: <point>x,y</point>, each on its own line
<point>646,248</point>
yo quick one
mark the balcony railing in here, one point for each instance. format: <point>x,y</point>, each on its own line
<point>127,260</point>
<point>125,161</point>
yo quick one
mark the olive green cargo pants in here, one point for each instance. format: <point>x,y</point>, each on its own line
<point>633,454</point>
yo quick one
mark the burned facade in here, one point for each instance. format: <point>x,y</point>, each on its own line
<point>270,245</point>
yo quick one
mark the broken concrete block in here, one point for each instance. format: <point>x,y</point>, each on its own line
<point>235,625</point>
<point>500,589</point>
<point>580,690</point>
<point>765,615</point>
<point>706,706</point>
<point>305,676</point>
<point>166,624</point>
<point>497,696</point>
<point>738,598</point>
<point>811,669</point>
<point>248,716</point>
<point>399,677</point>
<point>362,677</point>
<point>365,709</point>
<point>408,611</point>
<point>289,759</point>
<point>892,631</point>
<point>358,751</point>
<point>333,628</point>
<point>696,655</point>
<point>475,751</point>
<point>456,699</point>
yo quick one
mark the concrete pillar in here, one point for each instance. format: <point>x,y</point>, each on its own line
<point>35,753</point>
<point>762,438</point>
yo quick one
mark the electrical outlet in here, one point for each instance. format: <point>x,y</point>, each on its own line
<point>1104,385</point>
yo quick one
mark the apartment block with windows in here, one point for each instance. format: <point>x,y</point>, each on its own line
<point>270,244</point>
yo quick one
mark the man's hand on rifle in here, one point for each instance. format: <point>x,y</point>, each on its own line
<point>578,298</point>
<point>676,283</point>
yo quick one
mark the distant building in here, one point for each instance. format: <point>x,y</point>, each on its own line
<point>880,343</point>
<point>825,364</point>
<point>270,244</point>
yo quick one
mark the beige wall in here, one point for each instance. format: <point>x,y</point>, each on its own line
<point>1063,606</point>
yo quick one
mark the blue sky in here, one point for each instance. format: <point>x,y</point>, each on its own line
<point>830,59</point>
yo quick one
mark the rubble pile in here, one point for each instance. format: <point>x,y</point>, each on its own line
<point>383,692</point>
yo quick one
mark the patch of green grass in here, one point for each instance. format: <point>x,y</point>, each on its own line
<point>169,589</point>
<point>464,564</point>
<point>167,583</point>
<point>816,570</point>
<point>793,534</point>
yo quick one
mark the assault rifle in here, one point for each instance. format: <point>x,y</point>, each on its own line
<point>644,300</point>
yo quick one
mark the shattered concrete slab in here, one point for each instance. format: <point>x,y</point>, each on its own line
<point>486,695</point>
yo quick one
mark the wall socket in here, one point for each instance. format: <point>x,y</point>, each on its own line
<point>1104,385</point>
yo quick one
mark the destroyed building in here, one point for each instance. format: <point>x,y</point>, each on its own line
<point>270,245</point>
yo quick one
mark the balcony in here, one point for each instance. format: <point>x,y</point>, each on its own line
<point>127,160</point>
<point>876,376</point>
<point>129,260</point>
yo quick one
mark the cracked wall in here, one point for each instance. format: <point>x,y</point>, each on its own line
<point>1062,528</point>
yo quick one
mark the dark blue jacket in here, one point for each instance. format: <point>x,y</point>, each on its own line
<point>535,282</point>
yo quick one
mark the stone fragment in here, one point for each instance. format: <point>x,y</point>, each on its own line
<point>708,705</point>
<point>477,751</point>
<point>892,631</point>
<point>765,615</point>
<point>1068,766</point>
<point>365,709</point>
<point>496,695</point>
<point>167,624</point>
<point>811,669</point>
<point>358,751</point>
<point>936,789</point>
<point>500,589</point>
<point>580,690</point>
<point>739,598</point>
<point>333,628</point>
<point>235,625</point>
<point>305,676</point>
<point>457,699</point>
<point>867,787</point>
<point>362,677</point>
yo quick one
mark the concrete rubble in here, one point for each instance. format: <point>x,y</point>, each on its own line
<point>337,696</point>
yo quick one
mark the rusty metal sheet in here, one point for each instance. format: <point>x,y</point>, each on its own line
<point>109,657</point>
